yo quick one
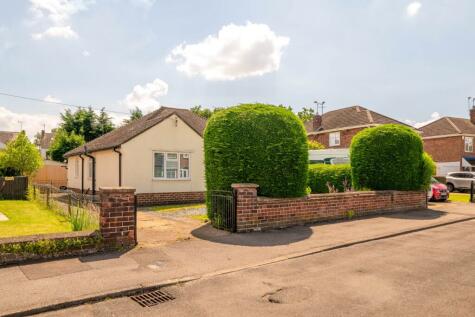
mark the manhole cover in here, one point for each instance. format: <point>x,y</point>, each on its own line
<point>152,298</point>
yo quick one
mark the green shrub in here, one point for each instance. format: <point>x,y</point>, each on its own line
<point>257,143</point>
<point>388,157</point>
<point>321,176</point>
<point>315,145</point>
<point>428,170</point>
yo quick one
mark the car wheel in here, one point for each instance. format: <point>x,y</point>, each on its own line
<point>450,187</point>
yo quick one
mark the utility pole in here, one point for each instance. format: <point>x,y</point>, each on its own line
<point>21,125</point>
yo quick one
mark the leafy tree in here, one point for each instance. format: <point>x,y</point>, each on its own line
<point>306,114</point>
<point>86,122</point>
<point>21,155</point>
<point>205,112</point>
<point>62,143</point>
<point>135,114</point>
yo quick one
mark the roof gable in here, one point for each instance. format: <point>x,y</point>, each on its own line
<point>131,130</point>
<point>448,126</point>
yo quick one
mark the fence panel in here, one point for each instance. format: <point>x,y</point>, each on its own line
<point>15,187</point>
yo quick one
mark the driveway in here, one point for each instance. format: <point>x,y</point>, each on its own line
<point>427,273</point>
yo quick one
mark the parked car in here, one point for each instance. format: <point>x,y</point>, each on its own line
<point>459,180</point>
<point>437,191</point>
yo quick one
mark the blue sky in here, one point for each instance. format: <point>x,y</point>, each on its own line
<point>405,59</point>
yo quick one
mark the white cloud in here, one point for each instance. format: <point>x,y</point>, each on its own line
<point>50,98</point>
<point>31,123</point>
<point>237,51</point>
<point>65,32</point>
<point>58,13</point>
<point>413,8</point>
<point>146,97</point>
<point>147,4</point>
<point>86,53</point>
<point>433,117</point>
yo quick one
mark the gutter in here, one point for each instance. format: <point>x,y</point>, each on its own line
<point>93,170</point>
<point>120,164</point>
<point>82,173</point>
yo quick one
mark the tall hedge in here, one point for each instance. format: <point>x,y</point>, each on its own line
<point>322,175</point>
<point>257,143</point>
<point>389,157</point>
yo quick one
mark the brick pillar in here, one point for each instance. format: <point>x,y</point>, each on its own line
<point>117,218</point>
<point>246,207</point>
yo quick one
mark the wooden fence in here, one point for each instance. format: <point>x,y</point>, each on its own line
<point>15,187</point>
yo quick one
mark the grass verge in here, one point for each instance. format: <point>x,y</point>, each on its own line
<point>175,208</point>
<point>459,197</point>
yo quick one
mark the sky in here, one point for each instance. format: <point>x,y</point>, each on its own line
<point>410,60</point>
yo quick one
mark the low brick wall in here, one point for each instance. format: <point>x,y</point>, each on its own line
<point>49,246</point>
<point>150,199</point>
<point>260,213</point>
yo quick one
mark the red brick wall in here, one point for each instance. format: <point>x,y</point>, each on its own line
<point>259,213</point>
<point>345,138</point>
<point>149,199</point>
<point>117,218</point>
<point>450,149</point>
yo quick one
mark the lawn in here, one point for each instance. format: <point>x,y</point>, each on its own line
<point>459,197</point>
<point>27,217</point>
<point>175,208</point>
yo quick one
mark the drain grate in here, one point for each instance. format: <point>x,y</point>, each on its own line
<point>152,298</point>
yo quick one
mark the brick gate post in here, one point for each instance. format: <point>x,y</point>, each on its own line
<point>246,206</point>
<point>117,218</point>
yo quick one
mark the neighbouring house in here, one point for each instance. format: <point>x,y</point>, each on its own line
<point>43,142</point>
<point>5,137</point>
<point>449,141</point>
<point>160,155</point>
<point>336,129</point>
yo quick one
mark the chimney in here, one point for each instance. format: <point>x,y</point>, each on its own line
<point>472,115</point>
<point>317,121</point>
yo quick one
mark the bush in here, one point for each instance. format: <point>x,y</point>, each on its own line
<point>428,170</point>
<point>388,157</point>
<point>257,143</point>
<point>315,145</point>
<point>322,175</point>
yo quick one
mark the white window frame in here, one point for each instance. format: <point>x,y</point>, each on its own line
<point>165,159</point>
<point>468,144</point>
<point>334,138</point>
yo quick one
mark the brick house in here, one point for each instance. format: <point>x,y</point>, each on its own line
<point>336,129</point>
<point>160,155</point>
<point>449,141</point>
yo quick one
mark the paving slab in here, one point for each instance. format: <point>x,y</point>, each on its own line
<point>207,252</point>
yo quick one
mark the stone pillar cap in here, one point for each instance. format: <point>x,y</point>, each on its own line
<point>244,185</point>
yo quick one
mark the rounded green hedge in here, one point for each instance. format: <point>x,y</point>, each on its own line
<point>322,175</point>
<point>389,157</point>
<point>257,143</point>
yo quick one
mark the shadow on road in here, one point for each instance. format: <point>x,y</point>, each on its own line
<point>426,214</point>
<point>254,239</point>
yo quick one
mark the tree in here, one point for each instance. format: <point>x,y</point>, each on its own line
<point>205,112</point>
<point>87,123</point>
<point>135,114</point>
<point>21,155</point>
<point>62,143</point>
<point>306,114</point>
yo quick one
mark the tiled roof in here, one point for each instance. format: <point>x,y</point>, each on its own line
<point>136,127</point>
<point>46,140</point>
<point>6,136</point>
<point>448,125</point>
<point>350,117</point>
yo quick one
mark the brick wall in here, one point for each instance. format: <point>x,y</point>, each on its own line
<point>149,199</point>
<point>450,149</point>
<point>260,213</point>
<point>345,138</point>
<point>117,217</point>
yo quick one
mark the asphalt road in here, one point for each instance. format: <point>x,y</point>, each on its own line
<point>428,273</point>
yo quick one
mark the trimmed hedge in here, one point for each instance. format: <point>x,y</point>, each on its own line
<point>257,143</point>
<point>338,176</point>
<point>389,157</point>
<point>428,170</point>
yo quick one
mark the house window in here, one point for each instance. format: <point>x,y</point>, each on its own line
<point>334,139</point>
<point>89,167</point>
<point>468,144</point>
<point>76,168</point>
<point>171,165</point>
